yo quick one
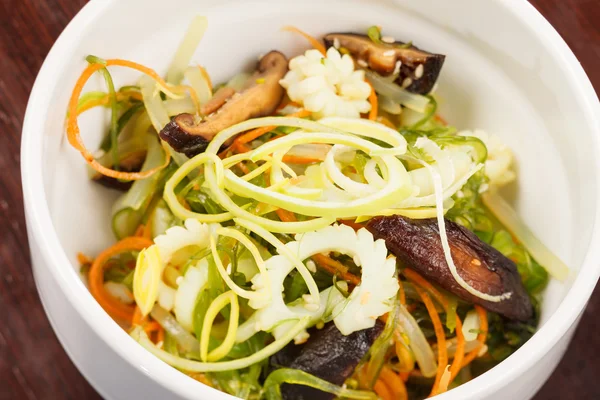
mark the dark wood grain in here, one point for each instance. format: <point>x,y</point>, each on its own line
<point>32,362</point>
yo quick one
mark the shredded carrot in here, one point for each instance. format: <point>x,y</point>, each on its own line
<point>258,132</point>
<point>440,119</point>
<point>290,159</point>
<point>244,168</point>
<point>82,259</point>
<point>351,224</point>
<point>382,390</point>
<point>112,306</point>
<point>147,231</point>
<point>206,77</point>
<point>394,383</point>
<point>440,336</point>
<point>419,280</point>
<point>74,134</point>
<point>194,97</point>
<point>285,215</point>
<point>481,336</point>
<point>139,231</point>
<point>374,104</point>
<point>254,133</point>
<point>335,268</point>
<point>313,42</point>
<point>138,318</point>
<point>285,103</point>
<point>327,263</point>
<point>152,327</point>
<point>402,293</point>
<point>200,378</point>
<point>457,363</point>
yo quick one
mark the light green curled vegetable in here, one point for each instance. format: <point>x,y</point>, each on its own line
<point>272,386</point>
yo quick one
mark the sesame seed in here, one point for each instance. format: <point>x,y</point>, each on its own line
<point>179,280</point>
<point>311,266</point>
<point>389,53</point>
<point>336,43</point>
<point>419,71</point>
<point>388,39</point>
<point>362,63</point>
<point>407,82</point>
<point>476,262</point>
<point>397,67</point>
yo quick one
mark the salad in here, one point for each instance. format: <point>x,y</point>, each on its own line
<point>313,228</point>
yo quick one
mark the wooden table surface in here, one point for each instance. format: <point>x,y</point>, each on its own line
<point>32,363</point>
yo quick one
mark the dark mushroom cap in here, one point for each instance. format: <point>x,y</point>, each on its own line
<point>259,97</point>
<point>417,244</point>
<point>419,70</point>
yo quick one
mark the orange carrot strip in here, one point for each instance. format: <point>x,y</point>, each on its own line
<point>394,383</point>
<point>254,133</point>
<point>258,132</point>
<point>152,327</point>
<point>335,268</point>
<point>206,77</point>
<point>351,224</point>
<point>440,336</point>
<point>328,264</point>
<point>404,376</point>
<point>138,318</point>
<point>419,280</point>
<point>244,168</point>
<point>314,42</point>
<point>194,97</point>
<point>457,363</point>
<point>74,134</point>
<point>82,259</point>
<point>285,215</point>
<point>112,306</point>
<point>382,390</point>
<point>481,336</point>
<point>402,293</point>
<point>139,231</point>
<point>299,159</point>
<point>440,119</point>
<point>374,104</point>
<point>147,231</point>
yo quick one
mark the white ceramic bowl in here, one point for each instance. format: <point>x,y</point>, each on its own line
<point>507,71</point>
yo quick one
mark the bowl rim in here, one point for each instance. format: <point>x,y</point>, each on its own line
<point>41,229</point>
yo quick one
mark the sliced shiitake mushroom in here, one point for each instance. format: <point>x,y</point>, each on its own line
<point>260,96</point>
<point>418,245</point>
<point>418,69</point>
<point>328,354</point>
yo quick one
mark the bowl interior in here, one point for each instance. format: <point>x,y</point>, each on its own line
<point>498,76</point>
